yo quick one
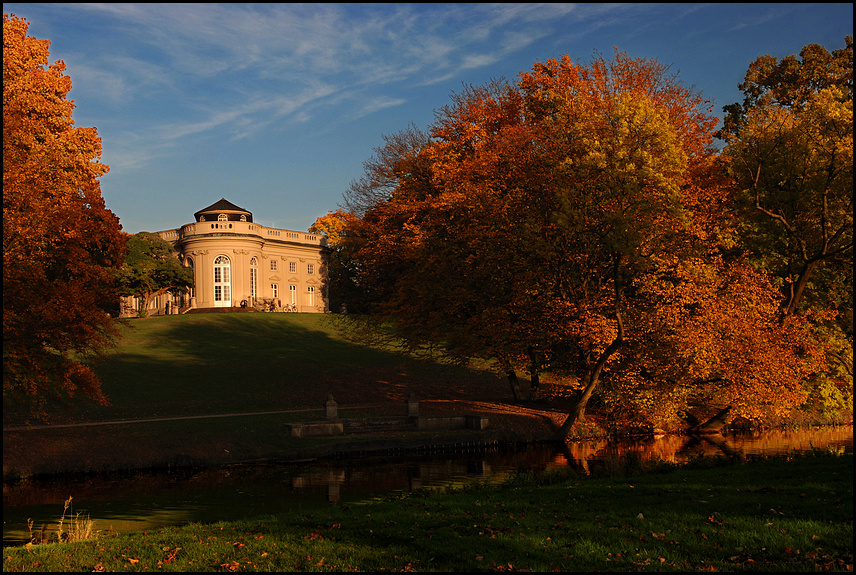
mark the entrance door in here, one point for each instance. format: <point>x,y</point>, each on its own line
<point>222,282</point>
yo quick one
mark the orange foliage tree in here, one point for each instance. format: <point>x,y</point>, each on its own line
<point>339,271</point>
<point>541,225</point>
<point>61,246</point>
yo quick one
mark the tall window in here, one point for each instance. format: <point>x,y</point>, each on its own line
<point>292,290</point>
<point>274,289</point>
<point>222,282</point>
<point>189,263</point>
<point>254,278</point>
<point>311,296</point>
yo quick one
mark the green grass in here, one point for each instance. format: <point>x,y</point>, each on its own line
<point>760,515</point>
<point>200,364</point>
<point>215,364</point>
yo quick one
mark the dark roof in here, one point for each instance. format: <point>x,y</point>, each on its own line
<point>223,205</point>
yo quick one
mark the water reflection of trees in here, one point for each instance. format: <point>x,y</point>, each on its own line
<point>189,493</point>
<point>679,449</point>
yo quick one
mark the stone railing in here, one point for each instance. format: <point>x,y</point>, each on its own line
<point>409,421</point>
<point>206,228</point>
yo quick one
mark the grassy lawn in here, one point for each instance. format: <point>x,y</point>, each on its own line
<point>760,515</point>
<point>213,364</point>
<point>200,364</point>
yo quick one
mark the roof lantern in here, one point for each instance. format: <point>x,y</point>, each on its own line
<point>224,210</point>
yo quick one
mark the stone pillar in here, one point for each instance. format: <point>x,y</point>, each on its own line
<point>412,406</point>
<point>331,407</point>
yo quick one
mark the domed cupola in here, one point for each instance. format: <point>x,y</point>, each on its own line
<point>223,211</point>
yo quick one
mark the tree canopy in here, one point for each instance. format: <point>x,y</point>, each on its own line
<point>572,223</point>
<point>61,245</point>
<point>789,148</point>
<point>152,268</point>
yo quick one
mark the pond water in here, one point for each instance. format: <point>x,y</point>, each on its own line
<point>143,501</point>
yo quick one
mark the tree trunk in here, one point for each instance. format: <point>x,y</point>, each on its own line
<point>515,386</point>
<point>534,386</point>
<point>715,423</point>
<point>592,378</point>
<point>144,305</point>
<point>534,377</point>
<point>578,413</point>
<point>796,289</point>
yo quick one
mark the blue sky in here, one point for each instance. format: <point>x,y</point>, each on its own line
<point>275,107</point>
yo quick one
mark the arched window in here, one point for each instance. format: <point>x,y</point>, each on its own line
<point>222,282</point>
<point>243,218</point>
<point>222,218</point>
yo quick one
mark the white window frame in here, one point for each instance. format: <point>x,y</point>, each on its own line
<point>254,278</point>
<point>222,281</point>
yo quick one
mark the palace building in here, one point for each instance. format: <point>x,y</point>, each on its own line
<point>240,264</point>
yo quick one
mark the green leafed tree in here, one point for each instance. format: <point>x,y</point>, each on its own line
<point>152,268</point>
<point>789,147</point>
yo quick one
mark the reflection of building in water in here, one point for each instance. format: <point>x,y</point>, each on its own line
<point>406,476</point>
<point>332,480</point>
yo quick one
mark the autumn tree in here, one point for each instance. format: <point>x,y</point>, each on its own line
<point>61,246</point>
<point>340,271</point>
<point>152,268</point>
<point>541,225</point>
<point>789,145</point>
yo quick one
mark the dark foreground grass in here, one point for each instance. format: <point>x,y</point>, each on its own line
<point>760,515</point>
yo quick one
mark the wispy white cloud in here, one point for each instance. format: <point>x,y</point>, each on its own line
<point>288,63</point>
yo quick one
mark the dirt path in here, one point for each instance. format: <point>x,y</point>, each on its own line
<point>153,419</point>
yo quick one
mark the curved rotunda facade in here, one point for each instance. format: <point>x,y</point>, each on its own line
<point>238,263</point>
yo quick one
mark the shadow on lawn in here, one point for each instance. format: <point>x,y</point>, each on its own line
<point>226,363</point>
